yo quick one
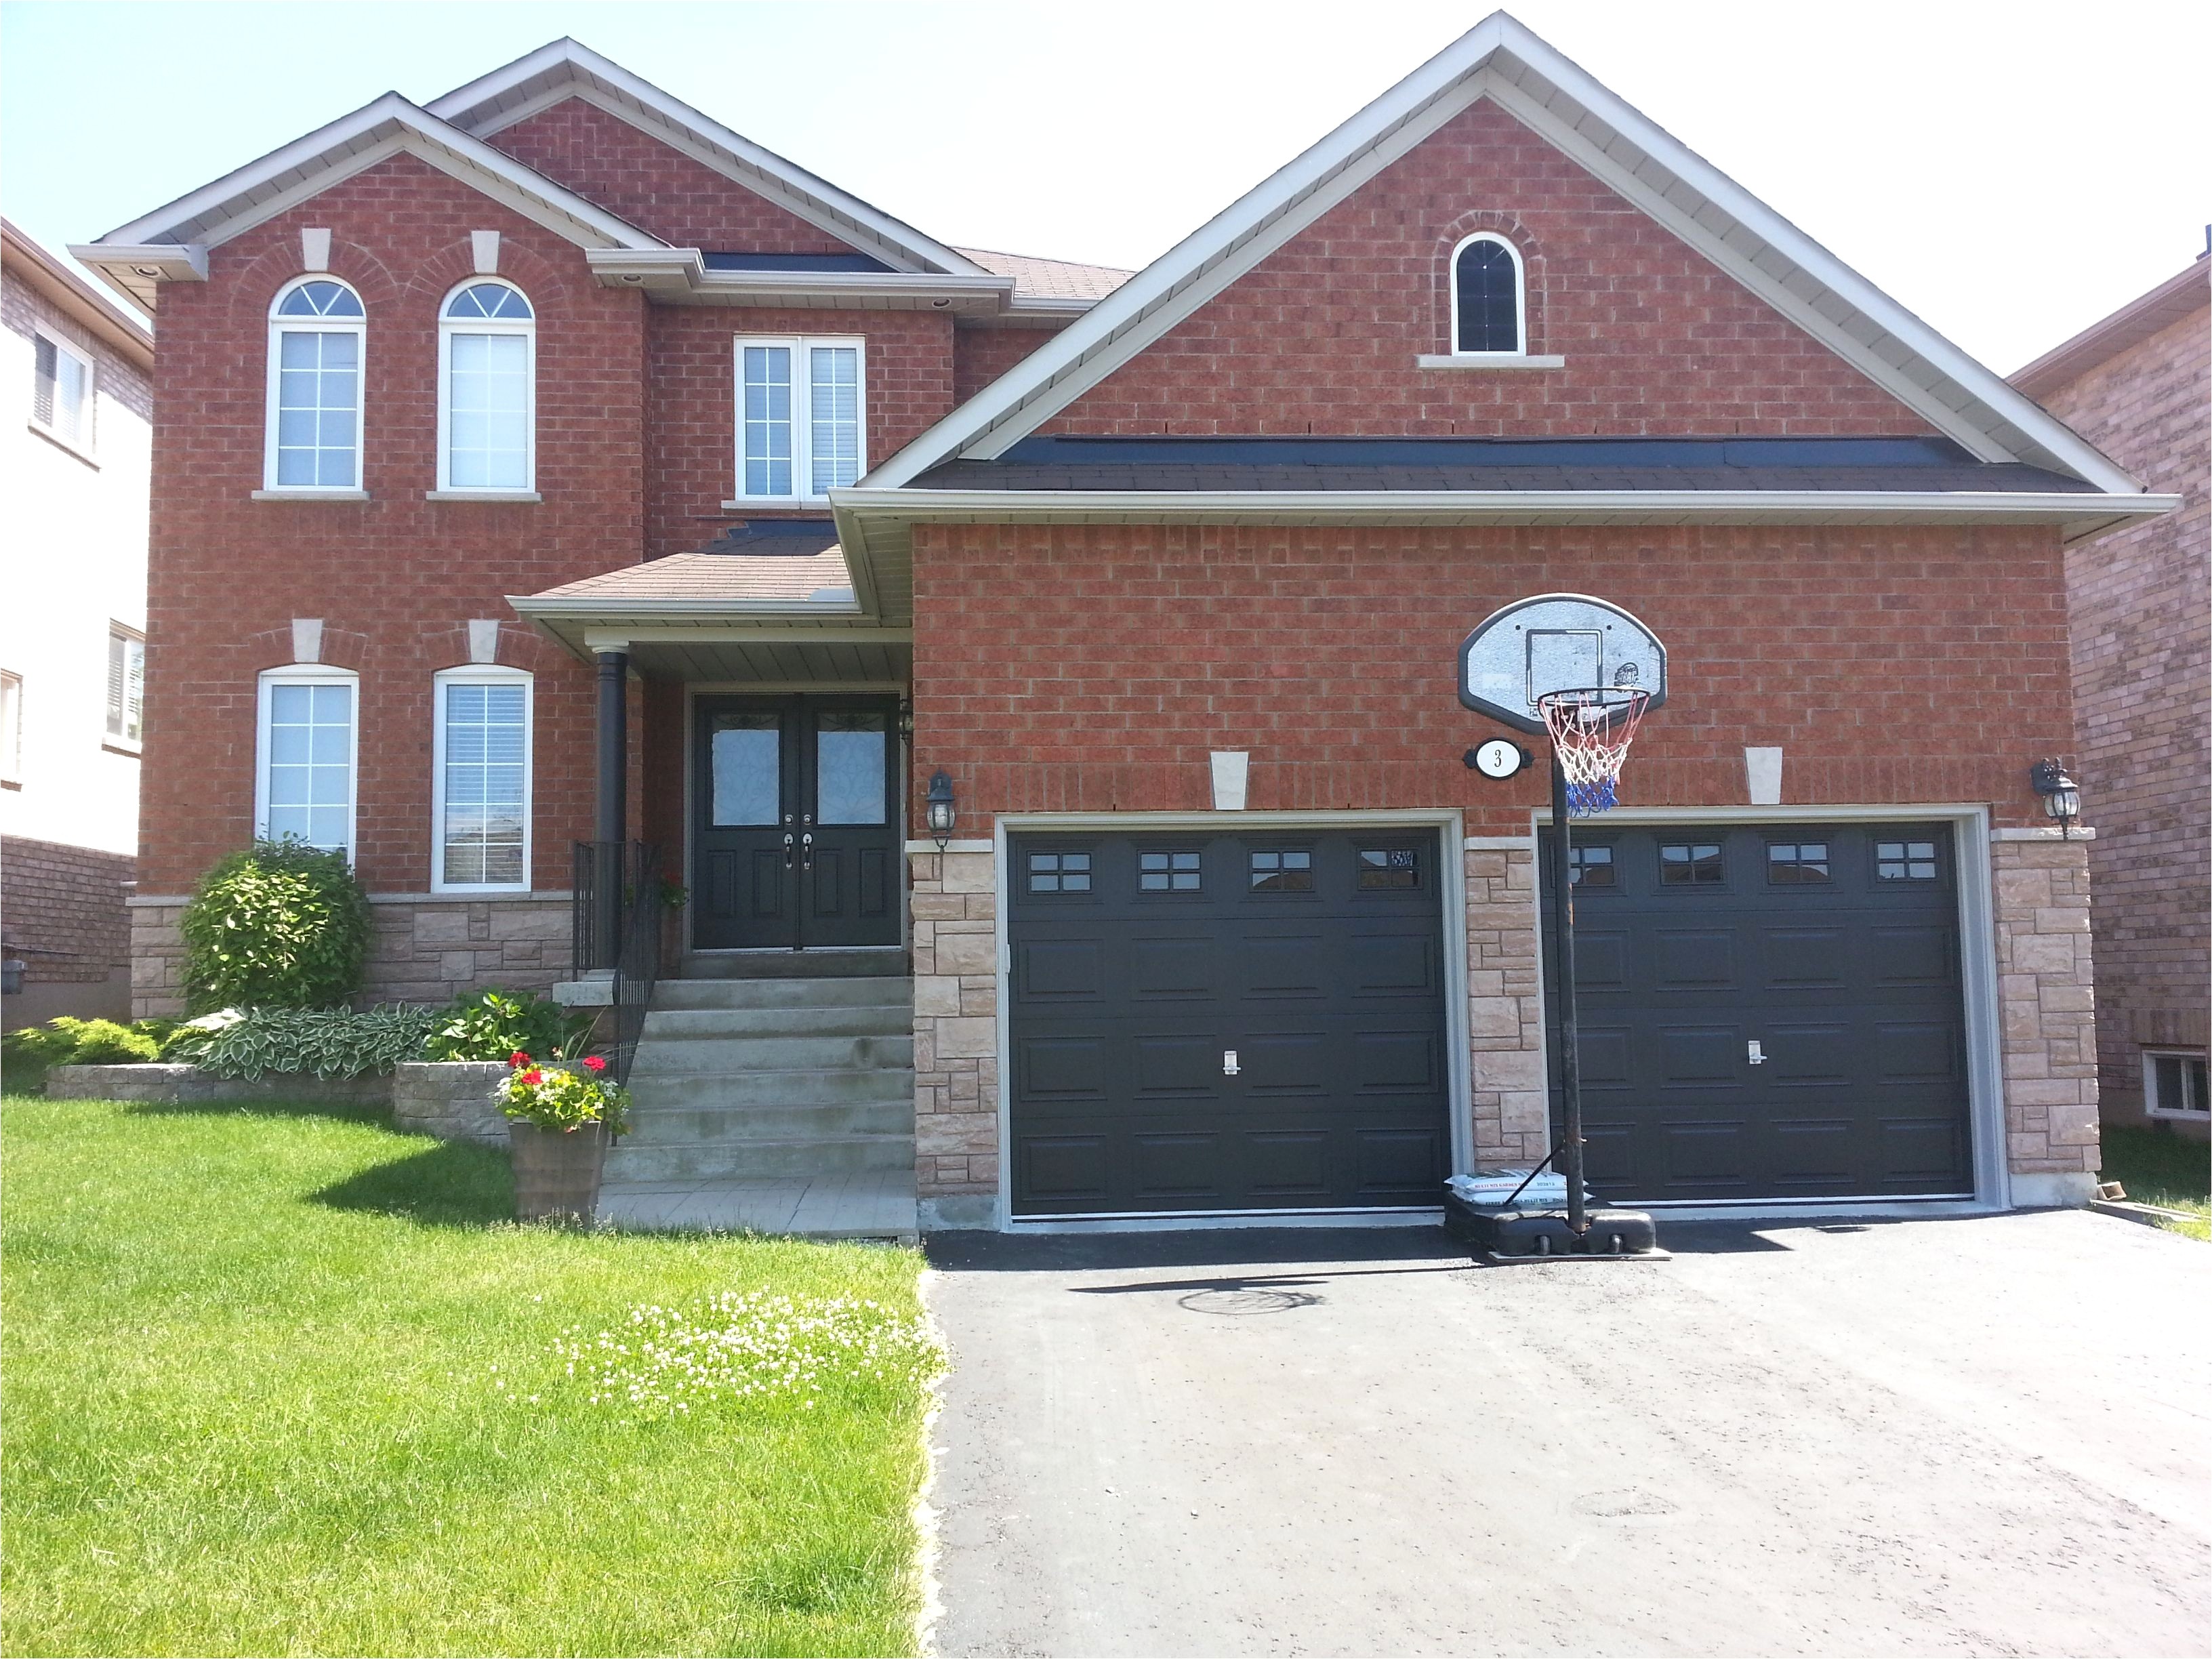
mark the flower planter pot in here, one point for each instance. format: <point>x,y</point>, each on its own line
<point>557,1171</point>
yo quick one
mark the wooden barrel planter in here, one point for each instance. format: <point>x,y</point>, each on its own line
<point>557,1171</point>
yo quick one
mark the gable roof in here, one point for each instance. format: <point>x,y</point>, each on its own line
<point>1051,279</point>
<point>566,69</point>
<point>1502,60</point>
<point>24,255</point>
<point>171,242</point>
<point>2186,291</point>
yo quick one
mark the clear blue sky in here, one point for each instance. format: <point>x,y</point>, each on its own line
<point>2012,172</point>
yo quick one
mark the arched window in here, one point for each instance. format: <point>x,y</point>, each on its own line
<point>487,389</point>
<point>317,337</point>
<point>1489,307</point>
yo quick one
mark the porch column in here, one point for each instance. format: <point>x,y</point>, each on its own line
<point>613,815</point>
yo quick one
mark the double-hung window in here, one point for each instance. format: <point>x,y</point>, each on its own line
<point>61,390</point>
<point>317,337</point>
<point>126,685</point>
<point>487,389</point>
<point>480,791</point>
<point>309,733</point>
<point>801,416</point>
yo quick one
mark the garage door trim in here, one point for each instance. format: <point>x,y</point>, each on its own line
<point>1448,824</point>
<point>1972,835</point>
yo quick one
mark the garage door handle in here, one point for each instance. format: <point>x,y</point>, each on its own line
<point>1229,1062</point>
<point>1753,1052</point>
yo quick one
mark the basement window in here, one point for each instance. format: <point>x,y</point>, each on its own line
<point>2173,1084</point>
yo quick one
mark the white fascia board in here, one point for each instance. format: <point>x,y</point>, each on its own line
<point>613,610</point>
<point>1499,59</point>
<point>308,166</point>
<point>737,157</point>
<point>1484,506</point>
<point>138,271</point>
<point>684,271</point>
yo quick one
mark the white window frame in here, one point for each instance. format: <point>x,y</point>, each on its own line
<point>1520,298</point>
<point>83,443</point>
<point>306,673</point>
<point>124,739</point>
<point>449,326</point>
<point>802,411</point>
<point>480,674</point>
<point>2152,1108</point>
<point>280,326</point>
<point>11,727</point>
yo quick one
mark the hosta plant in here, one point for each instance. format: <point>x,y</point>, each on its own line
<point>329,1043</point>
<point>564,1097</point>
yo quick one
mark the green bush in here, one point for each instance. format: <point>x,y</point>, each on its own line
<point>282,925</point>
<point>492,1024</point>
<point>328,1041</point>
<point>69,1041</point>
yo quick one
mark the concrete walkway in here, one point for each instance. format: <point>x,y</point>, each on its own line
<point>1987,1435</point>
<point>862,1204</point>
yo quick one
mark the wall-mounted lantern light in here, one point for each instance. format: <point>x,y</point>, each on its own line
<point>2062,796</point>
<point>941,813</point>
<point>906,719</point>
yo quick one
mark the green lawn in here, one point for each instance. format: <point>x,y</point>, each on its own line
<point>252,1377</point>
<point>2161,1169</point>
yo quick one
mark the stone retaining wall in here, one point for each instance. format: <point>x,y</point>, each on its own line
<point>451,1100</point>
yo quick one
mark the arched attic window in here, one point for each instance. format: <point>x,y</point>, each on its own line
<point>487,389</point>
<point>318,338</point>
<point>1489,298</point>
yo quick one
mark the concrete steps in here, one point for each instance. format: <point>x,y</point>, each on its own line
<point>772,1079</point>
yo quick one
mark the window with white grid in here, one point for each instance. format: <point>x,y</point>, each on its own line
<point>308,730</point>
<point>317,335</point>
<point>487,389</point>
<point>482,797</point>
<point>801,416</point>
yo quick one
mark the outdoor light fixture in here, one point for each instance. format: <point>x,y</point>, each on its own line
<point>905,720</point>
<point>2062,796</point>
<point>940,810</point>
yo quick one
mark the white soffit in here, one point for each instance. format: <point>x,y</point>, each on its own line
<point>566,69</point>
<point>1501,59</point>
<point>306,166</point>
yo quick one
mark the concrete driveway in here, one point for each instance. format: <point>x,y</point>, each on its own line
<point>1970,1436</point>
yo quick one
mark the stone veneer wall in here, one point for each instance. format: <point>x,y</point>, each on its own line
<point>420,950</point>
<point>955,1036</point>
<point>2046,998</point>
<point>1505,1003</point>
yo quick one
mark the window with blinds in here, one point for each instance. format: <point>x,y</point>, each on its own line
<point>126,686</point>
<point>801,417</point>
<point>61,392</point>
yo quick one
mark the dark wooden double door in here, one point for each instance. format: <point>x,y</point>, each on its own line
<point>795,840</point>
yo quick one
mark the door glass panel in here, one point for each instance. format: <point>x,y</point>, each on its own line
<point>849,767</point>
<point>745,753</point>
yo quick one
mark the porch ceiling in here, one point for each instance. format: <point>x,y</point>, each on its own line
<point>783,660</point>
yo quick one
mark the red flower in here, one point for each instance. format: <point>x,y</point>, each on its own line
<point>533,1075</point>
<point>517,1059</point>
<point>593,1063</point>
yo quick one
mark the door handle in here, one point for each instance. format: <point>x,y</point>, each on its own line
<point>1229,1067</point>
<point>787,852</point>
<point>1753,1052</point>
<point>806,852</point>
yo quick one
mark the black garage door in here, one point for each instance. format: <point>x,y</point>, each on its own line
<point>1210,1021</point>
<point>1770,1012</point>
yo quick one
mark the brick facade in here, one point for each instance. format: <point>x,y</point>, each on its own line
<point>62,910</point>
<point>1321,336</point>
<point>2141,603</point>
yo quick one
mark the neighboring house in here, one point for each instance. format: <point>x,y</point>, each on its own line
<point>72,635</point>
<point>2139,386</point>
<point>552,466</point>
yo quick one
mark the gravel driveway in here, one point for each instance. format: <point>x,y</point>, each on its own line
<point>1984,1436</point>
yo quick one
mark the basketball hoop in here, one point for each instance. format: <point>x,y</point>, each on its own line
<point>1592,728</point>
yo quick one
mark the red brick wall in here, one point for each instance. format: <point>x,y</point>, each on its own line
<point>395,578</point>
<point>692,401</point>
<point>2142,601</point>
<point>1093,669</point>
<point>645,183</point>
<point>982,354</point>
<point>62,907</point>
<point>1321,335</point>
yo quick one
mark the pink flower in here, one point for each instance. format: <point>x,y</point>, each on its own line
<point>517,1059</point>
<point>593,1063</point>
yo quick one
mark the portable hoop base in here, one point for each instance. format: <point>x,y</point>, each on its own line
<point>1592,728</point>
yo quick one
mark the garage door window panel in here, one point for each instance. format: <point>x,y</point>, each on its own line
<point>1797,864</point>
<point>1592,869</point>
<point>1389,869</point>
<point>1170,871</point>
<point>1904,860</point>
<point>1691,864</point>
<point>1055,874</point>
<point>1279,870</point>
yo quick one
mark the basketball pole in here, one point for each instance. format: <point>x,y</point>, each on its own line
<point>1563,932</point>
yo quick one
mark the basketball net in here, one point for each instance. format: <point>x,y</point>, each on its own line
<point>1592,728</point>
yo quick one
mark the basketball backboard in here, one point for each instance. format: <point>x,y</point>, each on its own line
<point>1556,643</point>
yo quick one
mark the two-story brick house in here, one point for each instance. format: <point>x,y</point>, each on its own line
<point>550,464</point>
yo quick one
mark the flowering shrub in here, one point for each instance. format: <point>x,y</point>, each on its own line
<point>752,1345</point>
<point>564,1097</point>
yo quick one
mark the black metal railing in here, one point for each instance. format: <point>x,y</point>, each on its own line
<point>615,923</point>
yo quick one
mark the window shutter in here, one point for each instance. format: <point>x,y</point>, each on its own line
<point>42,391</point>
